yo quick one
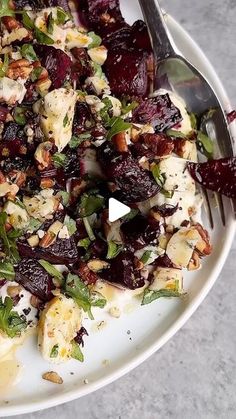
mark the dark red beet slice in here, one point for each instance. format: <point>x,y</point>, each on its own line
<point>123,271</point>
<point>98,249</point>
<point>231,116</point>
<point>163,262</point>
<point>134,183</point>
<point>139,37</point>
<point>99,13</point>
<point>79,338</point>
<point>13,141</point>
<point>126,71</point>
<point>139,232</point>
<point>139,150</point>
<point>57,63</point>
<point>82,117</point>
<point>159,111</point>
<point>63,251</point>
<point>3,113</point>
<point>33,277</point>
<point>216,175</point>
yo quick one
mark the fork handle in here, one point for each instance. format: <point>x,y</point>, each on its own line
<point>158,31</point>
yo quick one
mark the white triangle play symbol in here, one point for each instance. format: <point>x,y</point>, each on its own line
<point>117,210</point>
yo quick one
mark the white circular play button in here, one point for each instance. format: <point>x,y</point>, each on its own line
<point>117,210</point>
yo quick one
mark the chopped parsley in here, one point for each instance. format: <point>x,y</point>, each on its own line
<point>151,295</point>
<point>146,256</point>
<point>8,239</point>
<point>113,250</point>
<point>117,125</point>
<point>76,140</point>
<point>7,270</point>
<point>19,115</point>
<point>76,352</point>
<point>35,74</point>
<point>54,351</point>
<point>59,160</point>
<point>89,204</point>
<point>81,294</point>
<point>70,224</point>
<point>10,322</point>
<point>5,10</point>
<point>96,40</point>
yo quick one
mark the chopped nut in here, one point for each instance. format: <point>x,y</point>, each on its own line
<point>33,240</point>
<point>14,290</point>
<point>34,301</point>
<point>19,69</point>
<point>53,377</point>
<point>48,239</point>
<point>43,86</point>
<point>46,183</point>
<point>119,142</point>
<point>11,23</point>
<point>194,262</point>
<point>97,265</point>
<point>170,228</point>
<point>115,312</point>
<point>42,155</point>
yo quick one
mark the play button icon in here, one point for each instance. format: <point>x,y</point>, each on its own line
<point>116,210</point>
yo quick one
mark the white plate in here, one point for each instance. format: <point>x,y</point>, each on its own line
<point>150,326</point>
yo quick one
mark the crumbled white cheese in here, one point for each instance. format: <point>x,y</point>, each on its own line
<point>75,38</point>
<point>100,85</point>
<point>41,206</point>
<point>57,111</point>
<point>15,35</point>
<point>58,324</point>
<point>98,54</point>
<point>12,91</point>
<point>116,105</point>
<point>17,216</point>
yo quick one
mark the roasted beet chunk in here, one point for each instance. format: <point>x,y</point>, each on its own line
<point>81,269</point>
<point>134,183</point>
<point>57,63</point>
<point>126,71</point>
<point>13,141</point>
<point>160,144</point>
<point>63,251</point>
<point>216,175</point>
<point>139,37</point>
<point>123,271</point>
<point>79,338</point>
<point>82,66</point>
<point>58,3</point>
<point>159,111</point>
<point>99,13</point>
<point>139,232</point>
<point>82,117</point>
<point>33,277</point>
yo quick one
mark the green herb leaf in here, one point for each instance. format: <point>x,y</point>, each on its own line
<point>130,215</point>
<point>193,120</point>
<point>70,224</point>
<point>81,294</point>
<point>33,225</point>
<point>65,120</point>
<point>28,52</point>
<point>9,240</point>
<point>113,250</point>
<point>146,256</point>
<point>89,229</point>
<point>96,40</point>
<point>106,111</point>
<point>97,299</point>
<point>50,24</point>
<point>19,115</point>
<point>54,351</point>
<point>158,176</point>
<point>205,144</point>
<point>76,352</point>
<point>59,160</point>
<point>7,270</point>
<point>35,74</point>
<point>89,204</point>
<point>176,134</point>
<point>62,16</point>
<point>10,321</point>
<point>150,295</point>
<point>5,9</point>
<point>65,196</point>
<point>75,141</point>
<point>117,124</point>
<point>4,66</point>
<point>51,269</point>
<point>97,70</point>
<point>27,22</point>
<point>42,37</point>
<point>128,107</point>
<point>85,243</point>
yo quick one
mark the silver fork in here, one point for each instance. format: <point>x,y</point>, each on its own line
<point>174,71</point>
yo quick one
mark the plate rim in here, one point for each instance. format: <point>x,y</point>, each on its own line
<point>182,319</point>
